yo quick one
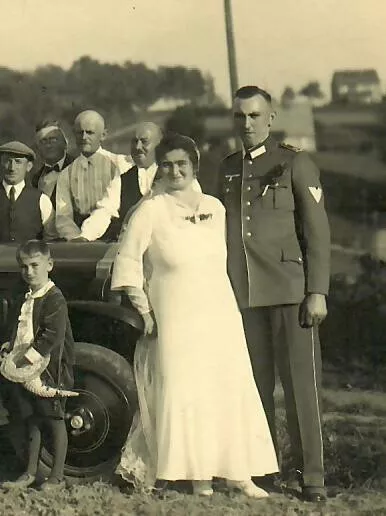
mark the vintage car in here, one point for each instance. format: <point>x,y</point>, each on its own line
<point>105,329</point>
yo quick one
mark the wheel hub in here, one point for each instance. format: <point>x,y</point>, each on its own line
<point>81,420</point>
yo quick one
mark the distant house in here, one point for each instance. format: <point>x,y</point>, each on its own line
<point>356,87</point>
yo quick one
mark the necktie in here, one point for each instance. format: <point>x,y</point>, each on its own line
<point>12,195</point>
<point>12,199</point>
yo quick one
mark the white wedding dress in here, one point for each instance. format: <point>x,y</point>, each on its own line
<point>200,412</point>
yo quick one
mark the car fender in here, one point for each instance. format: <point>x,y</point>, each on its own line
<point>116,312</point>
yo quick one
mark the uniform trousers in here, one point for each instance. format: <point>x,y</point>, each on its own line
<point>274,336</point>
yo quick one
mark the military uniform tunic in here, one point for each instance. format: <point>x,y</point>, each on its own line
<point>278,233</point>
<point>278,251</point>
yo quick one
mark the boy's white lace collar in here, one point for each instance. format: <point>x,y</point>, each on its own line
<point>42,291</point>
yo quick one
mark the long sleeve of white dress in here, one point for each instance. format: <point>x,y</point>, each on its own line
<point>128,271</point>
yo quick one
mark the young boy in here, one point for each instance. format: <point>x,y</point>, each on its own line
<point>40,331</point>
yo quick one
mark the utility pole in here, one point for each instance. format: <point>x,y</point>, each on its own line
<point>231,47</point>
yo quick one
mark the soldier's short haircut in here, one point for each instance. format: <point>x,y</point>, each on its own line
<point>31,247</point>
<point>173,141</point>
<point>247,92</point>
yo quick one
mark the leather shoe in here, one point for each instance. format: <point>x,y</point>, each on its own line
<point>314,494</point>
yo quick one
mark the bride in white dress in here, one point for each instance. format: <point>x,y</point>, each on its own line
<point>200,412</point>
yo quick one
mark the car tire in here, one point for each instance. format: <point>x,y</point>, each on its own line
<point>99,419</point>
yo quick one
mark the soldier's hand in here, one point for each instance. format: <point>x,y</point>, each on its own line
<point>149,325</point>
<point>313,310</point>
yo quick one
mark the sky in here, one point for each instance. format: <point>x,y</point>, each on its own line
<point>278,42</point>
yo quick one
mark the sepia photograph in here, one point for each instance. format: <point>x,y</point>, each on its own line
<point>192,258</point>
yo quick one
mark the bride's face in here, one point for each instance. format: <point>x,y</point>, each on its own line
<point>176,170</point>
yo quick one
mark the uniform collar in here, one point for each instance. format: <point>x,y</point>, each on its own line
<point>267,145</point>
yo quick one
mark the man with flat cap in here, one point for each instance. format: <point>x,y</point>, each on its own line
<point>86,181</point>
<point>25,212</point>
<point>279,264</point>
<point>51,143</point>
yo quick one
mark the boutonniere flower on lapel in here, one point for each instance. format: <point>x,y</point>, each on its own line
<point>272,179</point>
<point>199,217</point>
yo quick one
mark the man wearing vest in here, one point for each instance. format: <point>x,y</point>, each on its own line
<point>278,261</point>
<point>52,146</point>
<point>86,181</point>
<point>141,179</point>
<point>138,180</point>
<point>25,213</point>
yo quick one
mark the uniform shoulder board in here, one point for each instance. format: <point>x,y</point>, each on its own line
<point>289,147</point>
<point>228,156</point>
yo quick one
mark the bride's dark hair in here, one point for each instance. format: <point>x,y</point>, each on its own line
<point>173,141</point>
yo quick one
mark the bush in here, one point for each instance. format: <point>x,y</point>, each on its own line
<point>354,334</point>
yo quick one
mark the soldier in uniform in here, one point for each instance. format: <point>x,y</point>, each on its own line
<point>278,261</point>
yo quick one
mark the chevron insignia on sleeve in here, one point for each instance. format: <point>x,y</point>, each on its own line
<point>316,192</point>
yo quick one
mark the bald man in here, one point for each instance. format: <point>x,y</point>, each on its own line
<point>88,180</point>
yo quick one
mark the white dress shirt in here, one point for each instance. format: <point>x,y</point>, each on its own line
<point>47,211</point>
<point>81,185</point>
<point>25,332</point>
<point>146,177</point>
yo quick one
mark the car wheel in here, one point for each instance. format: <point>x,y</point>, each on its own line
<point>99,419</point>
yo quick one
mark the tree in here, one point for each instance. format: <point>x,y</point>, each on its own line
<point>287,96</point>
<point>187,120</point>
<point>312,90</point>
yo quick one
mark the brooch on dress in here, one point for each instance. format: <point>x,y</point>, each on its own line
<point>200,217</point>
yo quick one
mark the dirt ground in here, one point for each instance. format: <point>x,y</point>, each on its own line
<point>355,454</point>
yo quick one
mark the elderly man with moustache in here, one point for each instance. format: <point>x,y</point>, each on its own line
<point>141,179</point>
<point>51,143</point>
<point>86,181</point>
<point>279,263</point>
<point>25,213</point>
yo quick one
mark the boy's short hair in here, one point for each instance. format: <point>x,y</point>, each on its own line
<point>32,247</point>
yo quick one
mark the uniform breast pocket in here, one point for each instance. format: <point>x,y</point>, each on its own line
<point>283,199</point>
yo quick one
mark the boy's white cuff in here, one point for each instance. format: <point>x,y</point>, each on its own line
<point>33,356</point>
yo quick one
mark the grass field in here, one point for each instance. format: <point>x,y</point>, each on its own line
<point>355,455</point>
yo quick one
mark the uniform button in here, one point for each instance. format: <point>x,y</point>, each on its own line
<point>249,188</point>
<point>250,176</point>
<point>227,190</point>
<point>248,203</point>
<point>249,234</point>
<point>247,217</point>
<point>300,259</point>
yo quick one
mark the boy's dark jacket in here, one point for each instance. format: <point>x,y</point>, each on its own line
<point>53,334</point>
